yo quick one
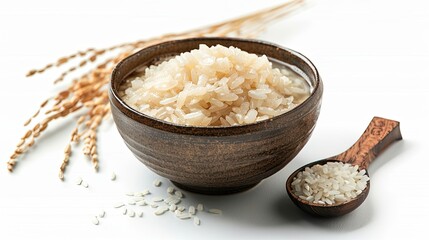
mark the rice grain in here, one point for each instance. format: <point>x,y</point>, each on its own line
<point>79,181</point>
<point>118,205</point>
<point>157,199</point>
<point>191,210</point>
<point>215,211</point>
<point>197,221</point>
<point>170,190</point>
<point>200,207</point>
<point>157,183</point>
<point>131,213</point>
<point>95,221</point>
<point>112,176</point>
<point>161,210</point>
<point>102,214</point>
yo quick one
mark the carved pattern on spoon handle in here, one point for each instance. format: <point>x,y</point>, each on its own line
<point>379,134</point>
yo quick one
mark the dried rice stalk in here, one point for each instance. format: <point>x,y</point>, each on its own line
<point>87,95</point>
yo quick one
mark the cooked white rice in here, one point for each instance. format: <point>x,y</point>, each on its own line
<point>331,183</point>
<point>215,86</point>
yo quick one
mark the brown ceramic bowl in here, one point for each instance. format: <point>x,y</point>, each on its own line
<point>216,160</point>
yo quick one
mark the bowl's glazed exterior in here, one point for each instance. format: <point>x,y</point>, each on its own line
<point>215,160</point>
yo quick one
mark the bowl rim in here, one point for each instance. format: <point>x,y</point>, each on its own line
<point>113,93</point>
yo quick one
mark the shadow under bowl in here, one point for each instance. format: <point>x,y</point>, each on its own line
<point>215,160</point>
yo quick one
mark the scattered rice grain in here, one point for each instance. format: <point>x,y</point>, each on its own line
<point>175,201</point>
<point>145,192</point>
<point>157,199</point>
<point>79,181</point>
<point>200,207</point>
<point>197,221</point>
<point>191,210</point>
<point>179,194</point>
<point>173,207</point>
<point>182,215</point>
<point>95,221</point>
<point>170,190</point>
<point>102,214</point>
<point>138,199</point>
<point>181,208</point>
<point>113,176</point>
<point>118,205</point>
<point>157,183</point>
<point>161,210</point>
<point>131,213</point>
<point>215,211</point>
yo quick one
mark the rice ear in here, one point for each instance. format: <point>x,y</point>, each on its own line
<point>86,95</point>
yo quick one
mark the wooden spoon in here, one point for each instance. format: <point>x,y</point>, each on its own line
<point>379,134</point>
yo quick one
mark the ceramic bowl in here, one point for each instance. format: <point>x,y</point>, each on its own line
<point>216,160</point>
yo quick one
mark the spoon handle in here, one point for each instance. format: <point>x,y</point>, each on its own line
<point>379,134</point>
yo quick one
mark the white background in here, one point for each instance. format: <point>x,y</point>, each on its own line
<point>373,56</point>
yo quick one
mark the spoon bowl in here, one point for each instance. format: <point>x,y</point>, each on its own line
<point>379,134</point>
<point>325,210</point>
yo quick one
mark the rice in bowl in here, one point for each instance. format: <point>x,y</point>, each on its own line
<point>215,86</point>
